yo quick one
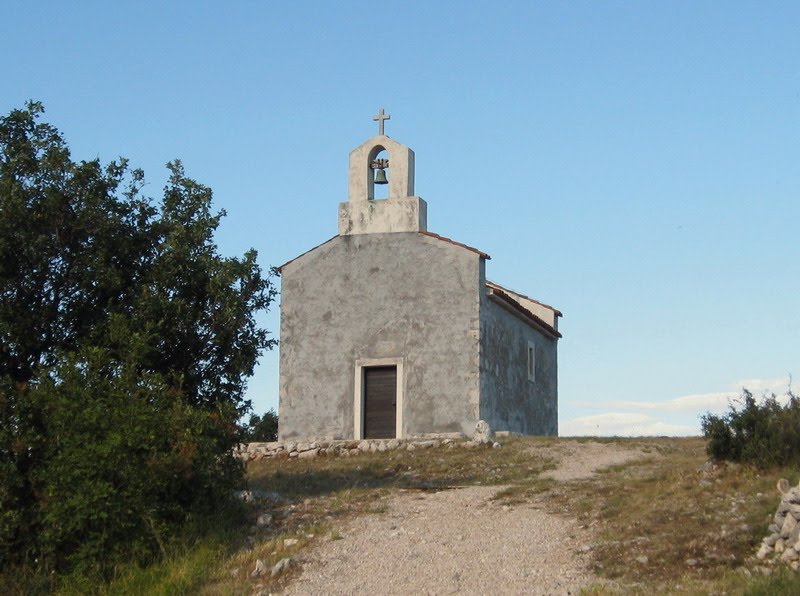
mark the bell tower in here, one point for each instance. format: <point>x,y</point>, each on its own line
<point>401,211</point>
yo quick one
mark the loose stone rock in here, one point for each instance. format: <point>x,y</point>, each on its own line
<point>260,569</point>
<point>483,433</point>
<point>281,566</point>
<point>771,539</point>
<point>264,519</point>
<point>784,533</point>
<point>789,524</point>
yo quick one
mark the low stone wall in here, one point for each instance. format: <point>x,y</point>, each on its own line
<point>783,542</point>
<point>347,448</point>
<point>483,435</point>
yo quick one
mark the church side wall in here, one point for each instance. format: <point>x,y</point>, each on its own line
<point>509,400</point>
<point>380,296</point>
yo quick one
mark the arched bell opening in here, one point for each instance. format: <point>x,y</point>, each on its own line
<point>378,175</point>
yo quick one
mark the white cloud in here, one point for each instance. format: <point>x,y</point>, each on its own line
<point>686,403</point>
<point>702,402</point>
<point>651,418</point>
<point>630,424</point>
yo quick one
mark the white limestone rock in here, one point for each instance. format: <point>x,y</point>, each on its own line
<point>483,433</point>
<point>764,551</point>
<point>260,569</point>
<point>789,524</point>
<point>771,539</point>
<point>281,566</point>
<point>264,519</point>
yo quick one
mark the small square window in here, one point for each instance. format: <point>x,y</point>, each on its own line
<point>531,362</point>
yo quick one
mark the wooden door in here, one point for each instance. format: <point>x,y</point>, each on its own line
<point>380,402</point>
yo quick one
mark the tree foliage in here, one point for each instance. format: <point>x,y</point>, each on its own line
<point>765,434</point>
<point>126,341</point>
<point>262,428</point>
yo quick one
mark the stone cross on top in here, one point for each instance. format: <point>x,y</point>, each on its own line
<point>380,117</point>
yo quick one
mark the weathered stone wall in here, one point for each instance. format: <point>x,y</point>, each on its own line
<point>346,448</point>
<point>783,541</point>
<point>483,435</point>
<point>509,401</point>
<point>401,295</point>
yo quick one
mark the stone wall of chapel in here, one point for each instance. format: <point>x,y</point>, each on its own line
<point>380,296</point>
<point>509,401</point>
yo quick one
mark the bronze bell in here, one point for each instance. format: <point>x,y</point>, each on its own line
<point>380,176</point>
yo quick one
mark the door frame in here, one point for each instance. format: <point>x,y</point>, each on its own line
<point>358,394</point>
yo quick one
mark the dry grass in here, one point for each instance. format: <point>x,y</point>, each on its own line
<point>667,526</point>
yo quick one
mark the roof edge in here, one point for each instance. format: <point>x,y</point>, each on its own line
<point>280,268</point>
<point>425,232</point>
<point>509,291</point>
<point>516,308</point>
<point>451,241</point>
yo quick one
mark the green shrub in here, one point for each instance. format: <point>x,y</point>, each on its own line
<point>126,342</point>
<point>765,434</point>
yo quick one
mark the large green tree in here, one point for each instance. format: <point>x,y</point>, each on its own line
<point>126,341</point>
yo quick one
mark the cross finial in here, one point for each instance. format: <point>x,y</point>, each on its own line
<point>380,117</point>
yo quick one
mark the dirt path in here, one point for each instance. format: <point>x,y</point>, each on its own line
<point>461,542</point>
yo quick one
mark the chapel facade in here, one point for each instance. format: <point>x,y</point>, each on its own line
<point>391,331</point>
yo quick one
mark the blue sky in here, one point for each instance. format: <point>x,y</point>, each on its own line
<point>634,164</point>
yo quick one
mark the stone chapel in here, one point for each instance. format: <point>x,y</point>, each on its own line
<point>391,331</point>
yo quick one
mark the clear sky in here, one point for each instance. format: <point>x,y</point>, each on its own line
<point>634,164</point>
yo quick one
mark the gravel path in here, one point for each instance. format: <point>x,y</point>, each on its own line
<point>582,460</point>
<point>460,542</point>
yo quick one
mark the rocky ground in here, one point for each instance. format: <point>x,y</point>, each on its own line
<point>462,541</point>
